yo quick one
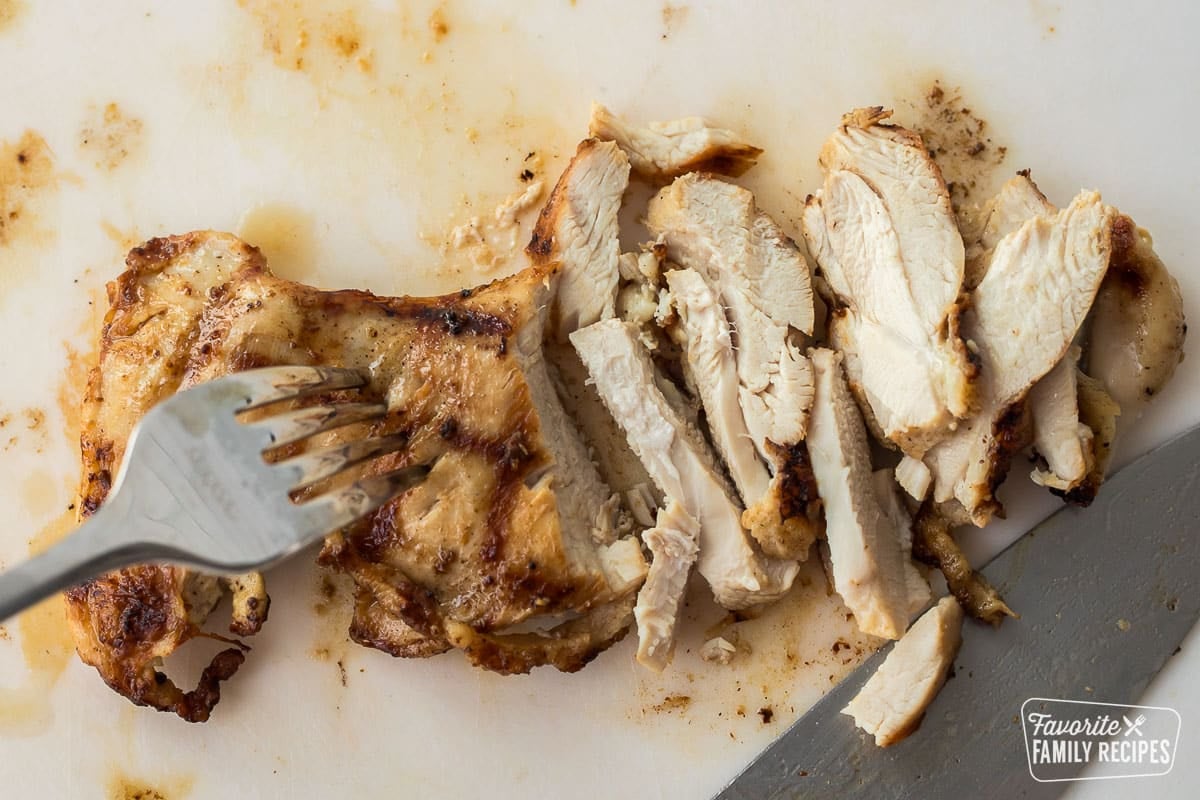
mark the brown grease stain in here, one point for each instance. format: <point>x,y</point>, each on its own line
<point>110,136</point>
<point>299,34</point>
<point>438,26</point>
<point>408,110</point>
<point>46,642</point>
<point>121,787</point>
<point>124,240</point>
<point>961,143</point>
<point>10,11</point>
<point>285,236</point>
<point>26,171</point>
<point>673,18</point>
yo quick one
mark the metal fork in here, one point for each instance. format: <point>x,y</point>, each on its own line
<point>196,490</point>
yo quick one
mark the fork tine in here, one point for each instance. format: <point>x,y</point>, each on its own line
<point>339,508</point>
<point>311,467</point>
<point>292,426</point>
<point>272,384</point>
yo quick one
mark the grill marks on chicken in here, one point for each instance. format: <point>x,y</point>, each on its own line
<point>125,623</point>
<point>884,236</point>
<point>684,366</point>
<point>512,522</point>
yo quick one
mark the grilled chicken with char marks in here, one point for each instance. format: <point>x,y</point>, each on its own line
<point>511,523</point>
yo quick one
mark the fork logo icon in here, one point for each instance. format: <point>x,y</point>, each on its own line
<point>1135,726</point>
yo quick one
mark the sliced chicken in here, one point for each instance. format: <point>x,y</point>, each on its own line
<point>665,150</point>
<point>713,370</point>
<point>914,477</point>
<point>1024,314</point>
<point>1100,413</point>
<point>578,228</point>
<point>869,567</point>
<point>678,461</point>
<point>884,235</point>
<point>886,490</point>
<point>934,544</point>
<point>745,298</point>
<point>1137,325</point>
<point>891,704</point>
<point>1018,200</point>
<point>673,543</point>
<point>1060,439</point>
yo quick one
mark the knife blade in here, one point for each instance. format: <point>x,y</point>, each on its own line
<point>1106,594</point>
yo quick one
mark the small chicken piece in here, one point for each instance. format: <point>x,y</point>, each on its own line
<point>866,549</point>
<point>892,703</point>
<point>679,463</point>
<point>1137,325</point>
<point>914,477</point>
<point>577,228</point>
<point>884,236</point>
<point>745,298</point>
<point>1062,441</point>
<point>673,544</point>
<point>665,150</point>
<point>1024,315</point>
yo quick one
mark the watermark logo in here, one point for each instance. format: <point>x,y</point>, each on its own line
<point>1112,741</point>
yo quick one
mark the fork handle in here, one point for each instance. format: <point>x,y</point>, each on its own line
<point>94,548</point>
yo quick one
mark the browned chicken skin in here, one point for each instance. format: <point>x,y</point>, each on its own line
<point>481,545</point>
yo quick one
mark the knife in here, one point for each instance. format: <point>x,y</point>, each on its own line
<point>1106,594</point>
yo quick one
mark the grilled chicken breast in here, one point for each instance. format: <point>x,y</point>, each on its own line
<point>665,150</point>
<point>746,289</point>
<point>512,522</point>
<point>884,236</point>
<point>678,460</point>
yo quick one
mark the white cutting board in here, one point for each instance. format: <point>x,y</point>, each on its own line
<point>402,120</point>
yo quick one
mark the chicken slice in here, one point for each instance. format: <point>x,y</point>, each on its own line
<point>713,371</point>
<point>665,150</point>
<point>578,228</point>
<point>1059,438</point>
<point>673,544</point>
<point>888,494</point>
<point>1023,317</point>
<point>884,235</point>
<point>1019,199</point>
<point>745,297</point>
<point>677,460</point>
<point>1137,325</point>
<point>865,546</point>
<point>893,701</point>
